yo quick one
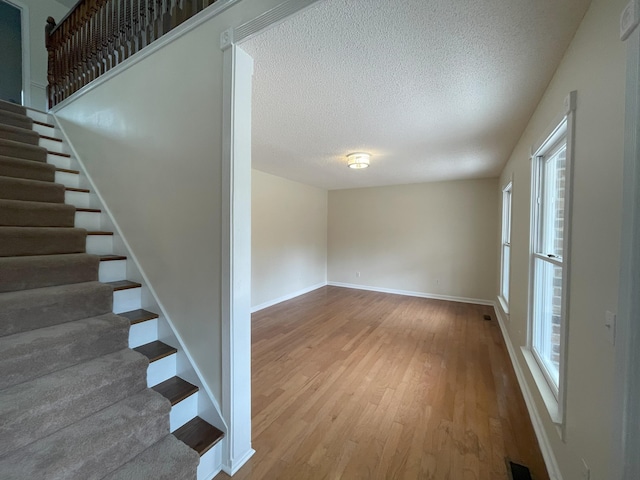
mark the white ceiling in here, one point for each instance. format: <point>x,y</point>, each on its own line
<point>433,89</point>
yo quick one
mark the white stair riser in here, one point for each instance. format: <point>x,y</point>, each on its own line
<point>126,300</point>
<point>143,333</point>
<point>51,145</point>
<point>58,161</point>
<point>68,179</point>
<point>77,199</point>
<point>210,463</point>
<point>112,270</point>
<point>161,370</point>
<point>88,220</point>
<point>38,116</point>
<point>42,130</point>
<point>100,244</point>
<point>183,411</point>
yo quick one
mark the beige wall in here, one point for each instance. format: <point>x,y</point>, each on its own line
<point>594,65</point>
<point>151,139</point>
<point>434,238</point>
<point>288,238</point>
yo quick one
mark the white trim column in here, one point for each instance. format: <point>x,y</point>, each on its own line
<point>626,442</point>
<point>236,256</point>
<point>26,52</point>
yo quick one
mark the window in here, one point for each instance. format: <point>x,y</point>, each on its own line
<point>550,235</point>
<point>549,173</point>
<point>505,258</point>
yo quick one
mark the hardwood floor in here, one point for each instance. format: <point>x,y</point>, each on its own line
<point>361,385</point>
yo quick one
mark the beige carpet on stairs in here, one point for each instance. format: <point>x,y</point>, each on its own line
<point>74,402</point>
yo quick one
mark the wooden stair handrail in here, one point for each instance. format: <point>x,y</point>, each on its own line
<point>96,35</point>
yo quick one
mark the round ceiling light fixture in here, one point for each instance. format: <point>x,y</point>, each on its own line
<point>358,160</point>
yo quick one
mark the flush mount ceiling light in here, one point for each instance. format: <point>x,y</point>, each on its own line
<point>358,160</point>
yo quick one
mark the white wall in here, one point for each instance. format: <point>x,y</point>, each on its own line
<point>39,10</point>
<point>288,238</point>
<point>434,238</point>
<point>151,139</point>
<point>594,65</point>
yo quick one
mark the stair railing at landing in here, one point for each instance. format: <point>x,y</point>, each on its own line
<point>97,35</point>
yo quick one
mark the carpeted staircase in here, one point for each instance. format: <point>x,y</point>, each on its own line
<point>74,402</point>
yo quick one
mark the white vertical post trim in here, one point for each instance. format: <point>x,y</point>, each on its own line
<point>236,257</point>
<point>26,52</point>
<point>626,442</point>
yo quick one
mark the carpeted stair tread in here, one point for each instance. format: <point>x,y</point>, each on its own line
<point>31,190</point>
<point>94,446</point>
<point>15,119</point>
<point>22,213</point>
<point>27,169</point>
<point>29,355</point>
<point>199,435</point>
<point>42,307</point>
<point>175,389</point>
<point>32,410</point>
<point>11,148</point>
<point>17,134</point>
<point>155,350</point>
<point>138,316</point>
<point>21,241</point>
<point>12,107</point>
<point>25,273</point>
<point>168,459</point>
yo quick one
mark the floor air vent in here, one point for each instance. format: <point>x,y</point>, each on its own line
<point>487,317</point>
<point>518,472</point>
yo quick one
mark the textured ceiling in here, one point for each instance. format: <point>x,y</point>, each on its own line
<point>433,89</point>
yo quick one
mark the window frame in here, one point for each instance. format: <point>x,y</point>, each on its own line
<point>505,242</point>
<point>563,128</point>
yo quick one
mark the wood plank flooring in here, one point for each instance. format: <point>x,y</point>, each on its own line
<point>350,384</point>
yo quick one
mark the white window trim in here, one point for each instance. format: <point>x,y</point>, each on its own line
<point>556,407</point>
<point>504,303</point>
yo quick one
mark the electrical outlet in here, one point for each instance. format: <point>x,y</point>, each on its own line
<point>586,472</point>
<point>357,274</point>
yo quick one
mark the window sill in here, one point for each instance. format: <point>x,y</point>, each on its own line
<point>550,401</point>
<point>504,306</point>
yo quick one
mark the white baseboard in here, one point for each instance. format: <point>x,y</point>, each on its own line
<point>408,293</point>
<point>541,434</point>
<point>237,465</point>
<point>289,296</point>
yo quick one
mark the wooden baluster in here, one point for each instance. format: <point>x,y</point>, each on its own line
<point>142,30</point>
<point>92,40</point>
<point>128,28</point>
<point>104,38</point>
<point>74,52</point>
<point>135,26</point>
<point>51,61</point>
<point>113,34</point>
<point>159,20</point>
<point>65,60</point>
<point>122,30</point>
<point>75,47</point>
